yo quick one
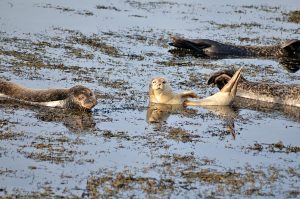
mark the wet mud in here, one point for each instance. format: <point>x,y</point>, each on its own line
<point>125,148</point>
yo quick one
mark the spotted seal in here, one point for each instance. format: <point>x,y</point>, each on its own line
<point>267,92</point>
<point>206,47</point>
<point>77,97</point>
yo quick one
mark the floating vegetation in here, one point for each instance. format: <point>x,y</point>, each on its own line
<point>9,135</point>
<point>251,183</point>
<point>181,135</point>
<point>123,148</point>
<point>112,186</point>
<point>97,43</point>
<point>55,150</point>
<point>119,135</point>
<point>79,53</point>
<point>294,16</point>
<point>278,147</point>
<point>66,9</point>
<point>101,7</point>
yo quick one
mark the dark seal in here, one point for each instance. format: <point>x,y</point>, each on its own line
<point>288,48</point>
<point>77,97</point>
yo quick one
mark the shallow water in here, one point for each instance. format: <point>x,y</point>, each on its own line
<point>115,48</point>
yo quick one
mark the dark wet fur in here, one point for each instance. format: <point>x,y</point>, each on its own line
<point>290,64</point>
<point>69,95</point>
<point>289,48</point>
<point>27,94</point>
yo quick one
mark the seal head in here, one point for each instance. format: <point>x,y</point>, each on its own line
<point>81,97</point>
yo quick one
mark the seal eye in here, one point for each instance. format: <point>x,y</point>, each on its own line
<point>164,82</point>
<point>91,94</point>
<point>154,82</point>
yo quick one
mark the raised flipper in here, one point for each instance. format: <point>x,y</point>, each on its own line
<point>291,48</point>
<point>221,78</point>
<point>224,97</point>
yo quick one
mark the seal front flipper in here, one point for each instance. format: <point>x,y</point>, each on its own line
<point>188,94</point>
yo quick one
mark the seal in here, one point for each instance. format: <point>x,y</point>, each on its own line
<point>267,92</point>
<point>161,92</point>
<point>206,47</point>
<point>77,97</point>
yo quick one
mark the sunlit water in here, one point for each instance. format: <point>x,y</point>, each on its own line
<point>140,30</point>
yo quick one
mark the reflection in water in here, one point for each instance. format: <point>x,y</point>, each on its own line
<point>75,121</point>
<point>158,114</point>
<point>228,114</point>
<point>224,111</point>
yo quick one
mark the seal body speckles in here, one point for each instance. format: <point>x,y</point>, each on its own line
<point>262,51</point>
<point>273,93</point>
<point>267,92</point>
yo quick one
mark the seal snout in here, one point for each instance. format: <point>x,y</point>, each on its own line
<point>158,83</point>
<point>90,101</point>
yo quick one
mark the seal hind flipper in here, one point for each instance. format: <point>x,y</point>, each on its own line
<point>221,78</point>
<point>207,47</point>
<point>195,45</point>
<point>222,98</point>
<point>267,92</point>
<point>231,85</point>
